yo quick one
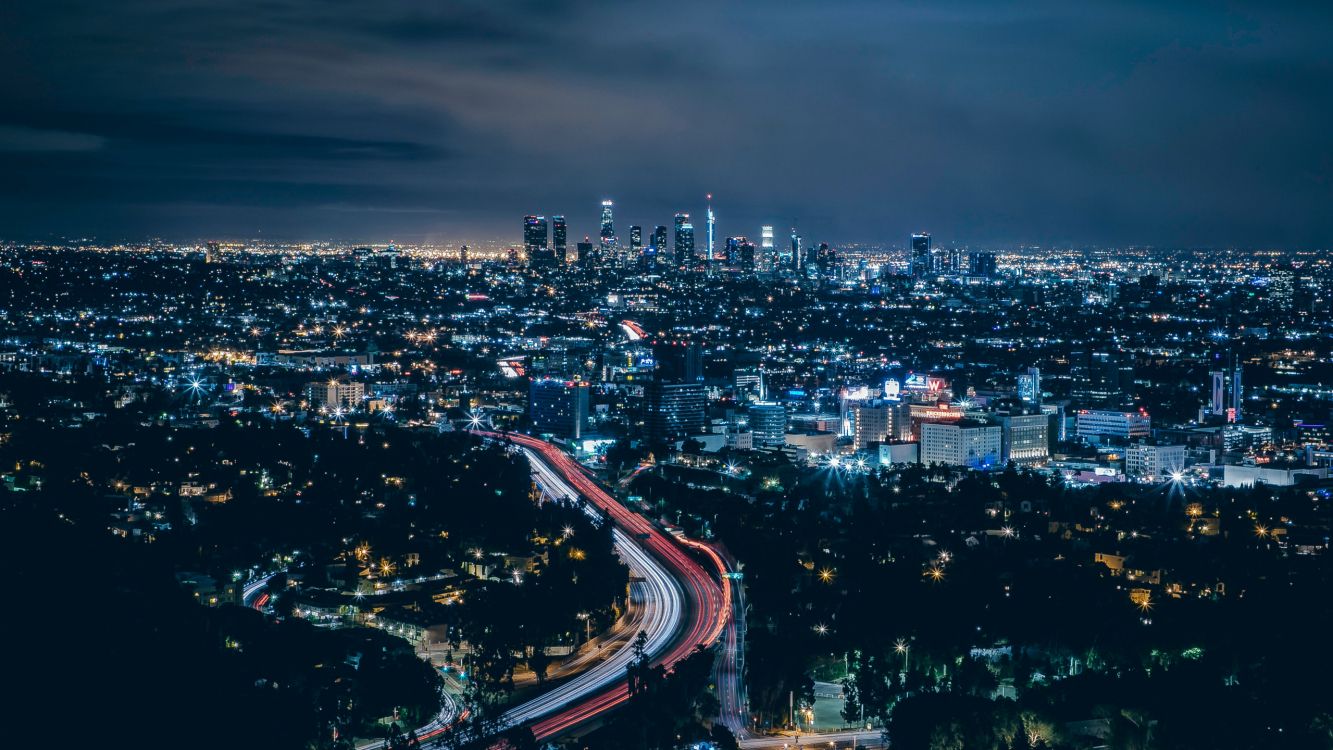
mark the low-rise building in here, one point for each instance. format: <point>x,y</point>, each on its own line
<point>1154,463</point>
<point>1096,424</point>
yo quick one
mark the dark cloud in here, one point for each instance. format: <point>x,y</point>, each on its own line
<point>1163,122</point>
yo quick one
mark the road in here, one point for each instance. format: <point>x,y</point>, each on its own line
<point>696,618</point>
<point>255,593</point>
<point>829,741</point>
<point>729,671</point>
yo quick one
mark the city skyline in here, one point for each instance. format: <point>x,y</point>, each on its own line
<point>1172,126</point>
<point>593,375</point>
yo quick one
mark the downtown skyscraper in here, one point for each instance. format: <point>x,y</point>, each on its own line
<point>684,241</point>
<point>920,259</point>
<point>608,237</point>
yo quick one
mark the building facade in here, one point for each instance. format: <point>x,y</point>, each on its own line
<point>559,407</point>
<point>960,444</point>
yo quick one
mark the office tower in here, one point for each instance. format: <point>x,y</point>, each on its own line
<point>1237,398</point>
<point>711,221</point>
<point>678,361</point>
<point>636,238</point>
<point>585,258</point>
<point>534,239</point>
<point>462,255</point>
<point>747,380</point>
<point>826,262</point>
<point>559,239</point>
<point>660,239</point>
<point>795,262</point>
<point>1218,402</point>
<point>684,241</point>
<point>675,399</point>
<point>981,264</point>
<point>955,260</point>
<point>871,422</point>
<point>766,250</point>
<point>674,410</point>
<point>1282,288</point>
<point>559,407</point>
<point>1029,386</point>
<point>962,443</point>
<point>1025,439</point>
<point>608,226</point>
<point>731,252</point>
<point>1094,424</point>
<point>920,256</point>
<point>768,424</point>
<point>745,254</point>
<point>1100,377</point>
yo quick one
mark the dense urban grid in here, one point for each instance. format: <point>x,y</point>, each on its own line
<point>661,487</point>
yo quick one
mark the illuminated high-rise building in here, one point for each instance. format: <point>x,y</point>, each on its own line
<point>1029,386</point>
<point>981,264</point>
<point>768,422</point>
<point>675,400</point>
<point>535,239</point>
<point>1237,397</point>
<point>795,262</point>
<point>636,238</point>
<point>659,241</point>
<point>767,260</point>
<point>1219,390</point>
<point>826,262</point>
<point>684,241</point>
<point>608,224</point>
<point>745,255</point>
<point>674,410</point>
<point>558,407</point>
<point>711,221</point>
<point>559,238</point>
<point>920,258</point>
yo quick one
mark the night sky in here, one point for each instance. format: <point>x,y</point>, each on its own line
<point>988,122</point>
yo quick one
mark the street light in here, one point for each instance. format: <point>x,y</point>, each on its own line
<point>902,647</point>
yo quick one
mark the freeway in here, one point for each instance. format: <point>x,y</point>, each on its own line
<point>698,616</point>
<point>657,596</point>
<point>255,592</point>
<point>729,671</point>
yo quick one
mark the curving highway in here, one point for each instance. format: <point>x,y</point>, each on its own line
<point>680,605</point>
<point>696,607</point>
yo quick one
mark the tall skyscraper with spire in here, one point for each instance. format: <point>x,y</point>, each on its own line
<point>712,220</point>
